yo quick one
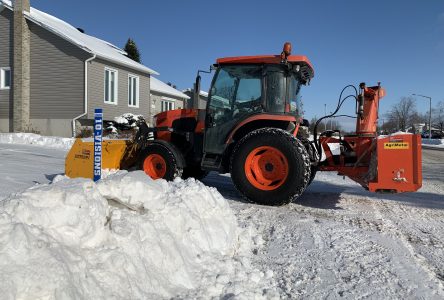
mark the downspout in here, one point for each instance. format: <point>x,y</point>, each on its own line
<point>86,96</point>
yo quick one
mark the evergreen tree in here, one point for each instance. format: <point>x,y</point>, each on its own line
<point>132,51</point>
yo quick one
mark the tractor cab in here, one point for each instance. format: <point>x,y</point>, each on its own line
<point>251,88</point>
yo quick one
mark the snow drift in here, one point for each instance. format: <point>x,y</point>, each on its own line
<point>36,139</point>
<point>124,237</point>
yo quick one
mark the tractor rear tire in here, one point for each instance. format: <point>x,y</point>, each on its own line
<point>313,171</point>
<point>270,166</point>
<point>157,161</point>
<point>312,153</point>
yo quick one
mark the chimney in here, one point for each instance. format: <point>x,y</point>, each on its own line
<point>21,67</point>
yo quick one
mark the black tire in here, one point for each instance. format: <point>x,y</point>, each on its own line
<point>291,148</point>
<point>313,170</point>
<point>172,169</point>
<point>194,172</point>
<point>312,153</point>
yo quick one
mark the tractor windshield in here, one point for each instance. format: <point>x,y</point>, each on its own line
<point>237,91</point>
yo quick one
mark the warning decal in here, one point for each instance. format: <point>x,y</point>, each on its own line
<point>396,145</point>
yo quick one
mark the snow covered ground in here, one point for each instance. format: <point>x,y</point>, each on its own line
<point>53,142</point>
<point>130,237</point>
<point>433,143</point>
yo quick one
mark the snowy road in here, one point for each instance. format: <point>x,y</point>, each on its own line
<point>341,241</point>
<point>336,241</point>
<point>22,166</point>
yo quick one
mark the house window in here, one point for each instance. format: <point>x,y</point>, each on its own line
<point>5,78</point>
<point>110,86</point>
<point>167,105</point>
<point>133,91</point>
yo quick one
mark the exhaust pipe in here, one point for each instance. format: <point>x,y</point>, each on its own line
<point>196,96</point>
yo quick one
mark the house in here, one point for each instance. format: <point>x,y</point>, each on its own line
<point>203,98</point>
<point>165,97</point>
<point>52,75</point>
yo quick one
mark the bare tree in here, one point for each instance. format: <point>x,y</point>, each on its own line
<point>388,126</point>
<point>402,113</point>
<point>438,115</point>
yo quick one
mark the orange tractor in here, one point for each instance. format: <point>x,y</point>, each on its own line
<point>253,129</point>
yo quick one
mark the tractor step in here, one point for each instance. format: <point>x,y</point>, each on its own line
<point>211,162</point>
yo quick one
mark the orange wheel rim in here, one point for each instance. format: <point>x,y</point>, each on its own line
<point>154,166</point>
<point>266,168</point>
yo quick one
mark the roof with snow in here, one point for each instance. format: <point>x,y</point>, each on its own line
<point>202,93</point>
<point>93,45</point>
<point>161,87</point>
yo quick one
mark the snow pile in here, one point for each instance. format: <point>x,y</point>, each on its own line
<point>36,139</point>
<point>125,237</point>
<point>382,136</point>
<point>128,119</point>
<point>434,142</point>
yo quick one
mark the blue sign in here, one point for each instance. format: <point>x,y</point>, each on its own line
<point>98,129</point>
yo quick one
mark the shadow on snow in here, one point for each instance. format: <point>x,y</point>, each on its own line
<point>326,195</point>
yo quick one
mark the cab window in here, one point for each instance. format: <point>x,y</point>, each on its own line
<point>236,91</point>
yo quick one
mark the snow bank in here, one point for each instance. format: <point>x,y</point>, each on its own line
<point>434,142</point>
<point>36,139</point>
<point>128,119</point>
<point>125,237</point>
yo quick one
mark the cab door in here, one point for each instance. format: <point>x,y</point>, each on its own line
<point>236,92</point>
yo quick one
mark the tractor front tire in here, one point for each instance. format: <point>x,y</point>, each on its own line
<point>157,161</point>
<point>270,166</point>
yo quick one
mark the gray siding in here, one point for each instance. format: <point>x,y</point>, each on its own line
<point>57,76</point>
<point>5,61</point>
<point>157,98</point>
<point>96,91</point>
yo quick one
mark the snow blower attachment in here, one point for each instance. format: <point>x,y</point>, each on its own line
<point>378,163</point>
<point>252,128</point>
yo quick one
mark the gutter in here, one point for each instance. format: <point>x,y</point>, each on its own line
<point>86,97</point>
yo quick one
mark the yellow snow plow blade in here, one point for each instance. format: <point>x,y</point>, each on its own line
<point>116,154</point>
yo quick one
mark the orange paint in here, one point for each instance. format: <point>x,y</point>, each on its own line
<point>154,166</point>
<point>260,117</point>
<point>166,119</point>
<point>368,123</point>
<point>264,59</point>
<point>266,168</point>
<point>399,167</point>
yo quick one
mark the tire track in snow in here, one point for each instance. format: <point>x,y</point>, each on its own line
<point>359,212</point>
<point>322,255</point>
<point>407,235</point>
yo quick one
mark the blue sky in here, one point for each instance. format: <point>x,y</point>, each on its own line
<point>400,43</point>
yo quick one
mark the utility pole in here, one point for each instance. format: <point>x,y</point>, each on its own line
<point>430,113</point>
<point>325,113</point>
